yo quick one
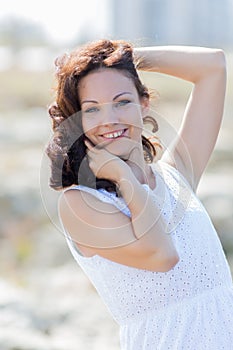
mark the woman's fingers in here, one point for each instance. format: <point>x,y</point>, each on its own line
<point>91,148</point>
<point>88,144</point>
<point>101,161</point>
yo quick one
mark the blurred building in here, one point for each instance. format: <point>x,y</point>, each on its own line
<point>205,22</point>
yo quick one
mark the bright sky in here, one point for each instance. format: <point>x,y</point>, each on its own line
<point>63,20</point>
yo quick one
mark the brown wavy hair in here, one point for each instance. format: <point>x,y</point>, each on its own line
<point>66,149</point>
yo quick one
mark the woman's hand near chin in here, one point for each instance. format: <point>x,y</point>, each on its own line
<point>106,165</point>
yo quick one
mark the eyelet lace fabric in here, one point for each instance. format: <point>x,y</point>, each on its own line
<point>188,307</point>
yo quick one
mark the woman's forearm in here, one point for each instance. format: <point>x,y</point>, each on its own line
<point>146,217</point>
<point>186,62</point>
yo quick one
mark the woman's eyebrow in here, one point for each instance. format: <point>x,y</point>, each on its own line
<point>88,101</point>
<point>114,98</point>
<point>122,93</point>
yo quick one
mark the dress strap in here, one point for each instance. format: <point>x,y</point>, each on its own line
<point>161,165</point>
<point>105,196</point>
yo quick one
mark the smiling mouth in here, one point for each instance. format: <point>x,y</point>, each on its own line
<point>114,135</point>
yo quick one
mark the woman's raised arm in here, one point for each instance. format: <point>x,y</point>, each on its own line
<point>206,69</point>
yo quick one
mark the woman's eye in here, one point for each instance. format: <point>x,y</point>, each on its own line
<point>122,103</point>
<point>91,110</point>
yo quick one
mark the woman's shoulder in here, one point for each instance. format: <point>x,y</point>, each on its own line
<point>83,199</point>
<point>85,196</point>
<point>85,216</point>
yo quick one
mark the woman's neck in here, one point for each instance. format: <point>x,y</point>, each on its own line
<point>142,171</point>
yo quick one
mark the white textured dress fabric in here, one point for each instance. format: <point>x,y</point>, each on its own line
<point>188,307</point>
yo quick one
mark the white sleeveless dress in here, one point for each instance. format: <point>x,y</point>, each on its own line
<point>188,307</point>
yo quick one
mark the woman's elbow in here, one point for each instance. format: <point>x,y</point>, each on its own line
<point>172,261</point>
<point>167,262</point>
<point>220,60</point>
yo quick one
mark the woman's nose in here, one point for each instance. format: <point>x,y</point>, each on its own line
<point>109,114</point>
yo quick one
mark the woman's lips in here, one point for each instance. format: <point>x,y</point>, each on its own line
<point>114,134</point>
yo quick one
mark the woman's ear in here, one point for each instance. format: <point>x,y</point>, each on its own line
<point>150,120</point>
<point>145,105</point>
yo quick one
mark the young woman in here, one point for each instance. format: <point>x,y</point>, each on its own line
<point>135,226</point>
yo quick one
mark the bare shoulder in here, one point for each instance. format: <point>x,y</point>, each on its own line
<point>93,224</point>
<point>84,205</point>
<point>99,228</point>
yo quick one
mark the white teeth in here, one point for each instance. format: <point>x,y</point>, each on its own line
<point>113,135</point>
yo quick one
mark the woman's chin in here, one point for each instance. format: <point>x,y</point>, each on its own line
<point>122,150</point>
<point>123,154</point>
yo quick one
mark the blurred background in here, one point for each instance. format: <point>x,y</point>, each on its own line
<point>46,301</point>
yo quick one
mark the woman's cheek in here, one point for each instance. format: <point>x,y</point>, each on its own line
<point>89,126</point>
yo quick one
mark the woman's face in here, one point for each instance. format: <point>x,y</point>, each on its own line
<point>112,111</point>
